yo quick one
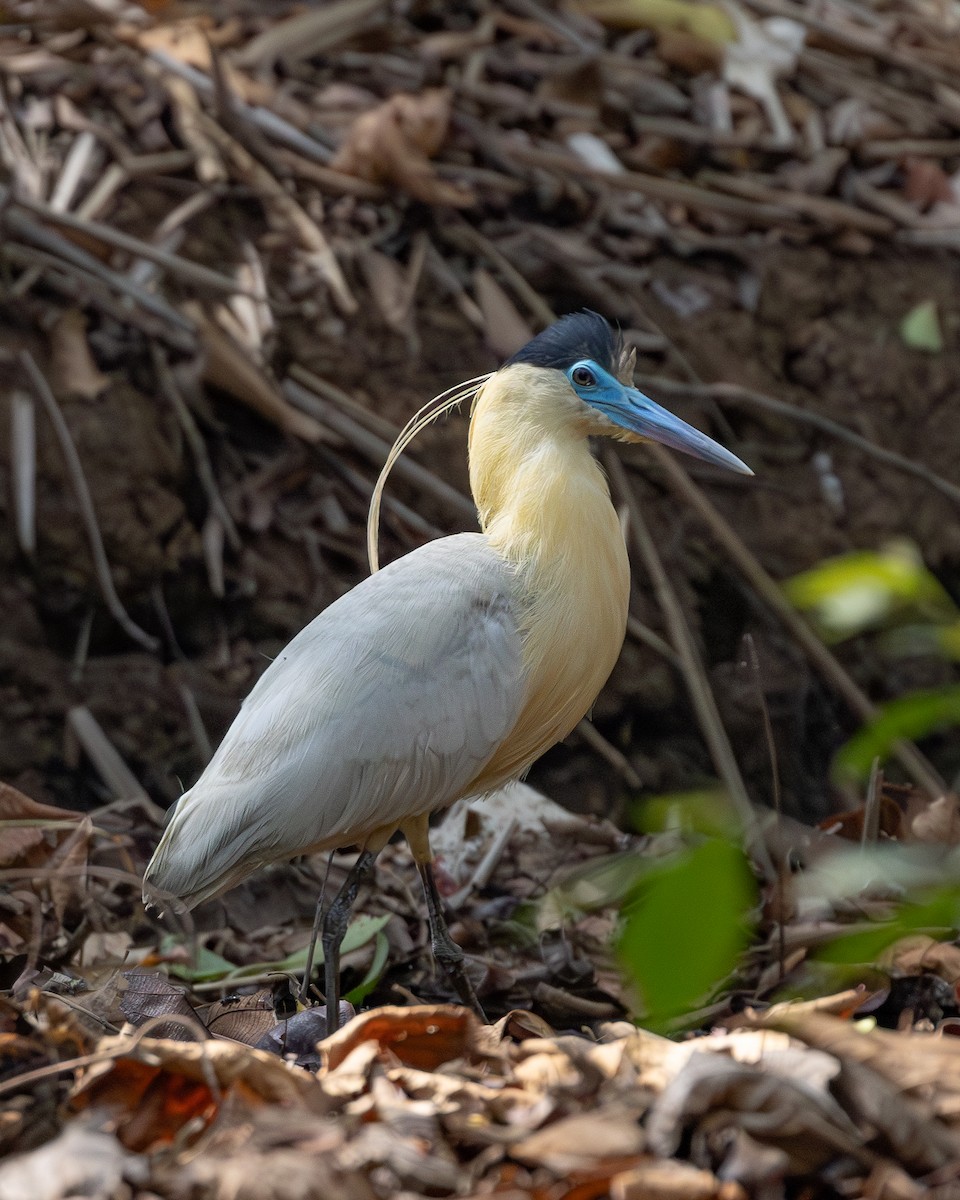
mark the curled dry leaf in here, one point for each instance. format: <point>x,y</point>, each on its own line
<point>148,994</point>
<point>228,366</point>
<point>394,143</point>
<point>157,1085</point>
<point>672,1180</point>
<point>151,1104</point>
<point>72,368</point>
<point>28,836</point>
<point>939,822</point>
<point>423,1036</point>
<point>82,1161</point>
<point>506,330</point>
<point>923,955</point>
<point>579,1141</point>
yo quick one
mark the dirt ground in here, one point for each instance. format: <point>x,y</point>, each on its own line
<point>812,325</point>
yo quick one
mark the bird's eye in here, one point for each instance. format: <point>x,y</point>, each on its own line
<point>583,377</point>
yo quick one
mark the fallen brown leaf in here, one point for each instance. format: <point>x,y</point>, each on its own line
<point>26,831</point>
<point>151,1105</point>
<point>82,1161</point>
<point>394,142</point>
<point>579,1141</point>
<point>925,182</point>
<point>505,329</point>
<point>938,822</point>
<point>667,1179</point>
<point>156,1085</point>
<point>423,1036</point>
<point>923,955</point>
<point>72,368</point>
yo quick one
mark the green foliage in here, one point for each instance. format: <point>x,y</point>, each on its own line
<point>936,913</point>
<point>686,926</point>
<point>210,966</point>
<point>381,953</point>
<point>603,883</point>
<point>867,589</point>
<point>708,811</point>
<point>920,328</point>
<point>913,716</point>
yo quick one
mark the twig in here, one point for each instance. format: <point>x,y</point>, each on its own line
<point>228,365</point>
<point>81,649</point>
<point>364,489</point>
<point>171,392</point>
<point>84,727</point>
<point>910,757</point>
<point>734,394</point>
<point>636,629</point>
<point>85,500</point>
<point>87,290</point>
<point>307,232</point>
<point>871,806</point>
<point>61,248</point>
<point>266,121</point>
<point>23,468</point>
<point>486,866</point>
<point>314,31</point>
<point>576,1006</point>
<point>778,882</point>
<point>375,448</point>
<point>198,731</point>
<point>329,180</point>
<point>884,149</point>
<point>341,399</point>
<point>97,231</point>
<point>823,209</point>
<point>211,539</point>
<point>460,233</point>
<point>694,675</point>
<point>653,186</point>
<point>607,751</point>
<point>878,45</point>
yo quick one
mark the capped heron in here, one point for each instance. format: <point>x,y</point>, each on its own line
<point>450,671</point>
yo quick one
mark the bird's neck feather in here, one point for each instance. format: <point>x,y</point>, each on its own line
<point>545,506</point>
<point>534,480</point>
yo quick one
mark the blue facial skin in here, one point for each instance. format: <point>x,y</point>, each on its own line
<point>632,410</point>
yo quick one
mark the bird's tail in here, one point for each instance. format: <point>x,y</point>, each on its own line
<point>194,861</point>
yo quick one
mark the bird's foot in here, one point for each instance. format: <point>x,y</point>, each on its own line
<point>451,959</point>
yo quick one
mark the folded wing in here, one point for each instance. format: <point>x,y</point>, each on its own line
<point>387,705</point>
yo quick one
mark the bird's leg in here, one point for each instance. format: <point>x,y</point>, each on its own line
<point>334,927</point>
<point>445,950</point>
<point>314,934</point>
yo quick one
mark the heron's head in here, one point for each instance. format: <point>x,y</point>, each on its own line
<point>582,353</point>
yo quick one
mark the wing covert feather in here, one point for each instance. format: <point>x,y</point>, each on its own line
<point>388,704</point>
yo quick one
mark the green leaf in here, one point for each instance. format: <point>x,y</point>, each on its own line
<point>920,328</point>
<point>597,884</point>
<point>937,914</point>
<point>211,966</point>
<point>687,927</point>
<point>707,810</point>
<point>863,590</point>
<point>366,985</point>
<point>910,717</point>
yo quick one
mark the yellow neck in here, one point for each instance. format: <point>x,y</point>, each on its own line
<point>545,506</point>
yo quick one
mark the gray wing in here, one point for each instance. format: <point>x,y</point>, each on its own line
<point>387,705</point>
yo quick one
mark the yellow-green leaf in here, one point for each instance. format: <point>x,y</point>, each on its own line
<point>920,328</point>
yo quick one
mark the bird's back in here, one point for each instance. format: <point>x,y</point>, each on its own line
<point>387,705</point>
